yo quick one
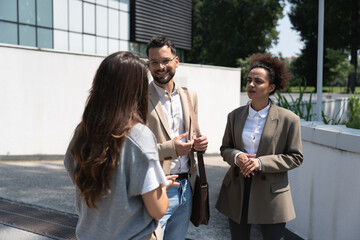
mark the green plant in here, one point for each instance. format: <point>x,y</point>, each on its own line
<point>354,112</point>
<point>333,121</point>
<point>297,105</point>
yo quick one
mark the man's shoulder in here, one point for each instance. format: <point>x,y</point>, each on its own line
<point>151,86</point>
<point>191,92</point>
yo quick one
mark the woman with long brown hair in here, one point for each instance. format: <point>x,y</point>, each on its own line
<point>113,159</point>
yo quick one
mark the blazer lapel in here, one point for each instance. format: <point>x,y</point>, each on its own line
<point>240,123</point>
<point>155,101</point>
<point>269,131</point>
<point>185,108</point>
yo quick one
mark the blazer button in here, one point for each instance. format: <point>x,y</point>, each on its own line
<point>263,177</point>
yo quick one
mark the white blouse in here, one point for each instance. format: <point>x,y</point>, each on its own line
<point>252,131</point>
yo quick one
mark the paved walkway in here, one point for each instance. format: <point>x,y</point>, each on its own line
<point>46,184</point>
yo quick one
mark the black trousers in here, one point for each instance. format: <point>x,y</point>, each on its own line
<point>242,231</point>
<point>269,231</point>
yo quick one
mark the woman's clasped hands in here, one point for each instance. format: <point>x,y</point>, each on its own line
<point>247,163</point>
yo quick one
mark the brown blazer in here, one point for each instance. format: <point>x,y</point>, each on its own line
<point>280,150</point>
<point>158,124</point>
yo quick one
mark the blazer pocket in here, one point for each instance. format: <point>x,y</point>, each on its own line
<point>280,187</point>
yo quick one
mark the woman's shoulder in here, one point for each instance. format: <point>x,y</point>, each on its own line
<point>286,113</point>
<point>140,131</point>
<point>142,136</point>
<point>238,110</point>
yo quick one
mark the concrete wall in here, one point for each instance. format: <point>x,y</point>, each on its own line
<point>325,188</point>
<point>43,94</point>
<point>218,91</point>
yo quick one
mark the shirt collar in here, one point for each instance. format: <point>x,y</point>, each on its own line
<point>162,92</point>
<point>262,113</point>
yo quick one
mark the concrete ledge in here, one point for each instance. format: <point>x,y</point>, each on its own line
<point>335,136</point>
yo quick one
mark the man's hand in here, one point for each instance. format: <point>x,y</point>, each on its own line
<point>200,143</point>
<point>182,148</point>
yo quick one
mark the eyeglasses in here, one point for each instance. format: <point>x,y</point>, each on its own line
<point>164,62</point>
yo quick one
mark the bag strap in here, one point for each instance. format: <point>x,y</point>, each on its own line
<point>200,158</point>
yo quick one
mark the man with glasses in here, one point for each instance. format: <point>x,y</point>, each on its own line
<point>169,119</point>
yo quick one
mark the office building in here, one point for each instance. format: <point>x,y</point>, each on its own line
<point>94,26</point>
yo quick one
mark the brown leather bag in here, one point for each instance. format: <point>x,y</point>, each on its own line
<point>200,206</point>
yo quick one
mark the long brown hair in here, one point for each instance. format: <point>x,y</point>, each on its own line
<point>118,100</point>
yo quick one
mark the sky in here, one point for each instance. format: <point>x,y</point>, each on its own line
<point>289,40</point>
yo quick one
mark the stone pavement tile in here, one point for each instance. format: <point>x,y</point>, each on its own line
<point>41,183</point>
<point>10,233</point>
<point>46,184</point>
<point>218,225</point>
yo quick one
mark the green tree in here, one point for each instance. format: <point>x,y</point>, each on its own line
<point>243,63</point>
<point>226,30</point>
<point>339,67</point>
<point>341,32</point>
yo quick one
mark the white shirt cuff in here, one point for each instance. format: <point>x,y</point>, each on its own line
<point>260,167</point>
<point>236,157</point>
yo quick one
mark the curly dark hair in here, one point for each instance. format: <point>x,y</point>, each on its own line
<point>279,73</point>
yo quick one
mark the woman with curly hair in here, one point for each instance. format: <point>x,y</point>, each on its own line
<point>261,144</point>
<point>113,158</point>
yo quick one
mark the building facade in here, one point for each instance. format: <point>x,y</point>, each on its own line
<point>50,51</point>
<point>96,27</point>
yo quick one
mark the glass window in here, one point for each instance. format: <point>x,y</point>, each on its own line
<point>61,40</point>
<point>113,46</point>
<point>113,23</point>
<point>124,26</point>
<point>75,15</point>
<point>27,11</point>
<point>101,21</point>
<point>75,40</point>
<point>142,49</point>
<point>27,35</point>
<point>92,1</point>
<point>60,14</point>
<point>44,13</point>
<point>89,18</point>
<point>101,46</point>
<point>8,10</point>
<point>102,2</point>
<point>114,4</point>
<point>124,45</point>
<point>180,53</point>
<point>134,47</point>
<point>124,5</point>
<point>89,44</point>
<point>8,33</point>
<point>45,38</point>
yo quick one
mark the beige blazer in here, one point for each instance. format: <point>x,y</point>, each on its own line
<point>280,150</point>
<point>158,124</point>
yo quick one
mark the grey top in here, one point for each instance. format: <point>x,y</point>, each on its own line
<point>121,214</point>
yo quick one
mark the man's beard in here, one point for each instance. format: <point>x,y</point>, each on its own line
<point>165,80</point>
